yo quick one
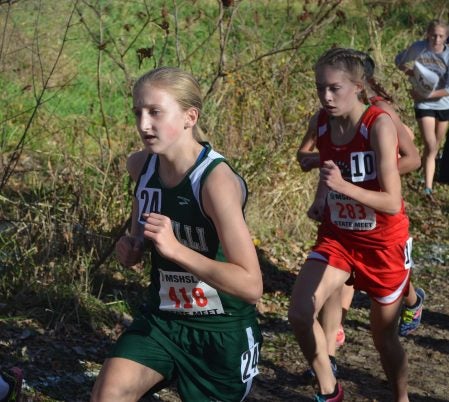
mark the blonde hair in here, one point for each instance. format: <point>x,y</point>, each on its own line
<point>181,85</point>
<point>349,61</point>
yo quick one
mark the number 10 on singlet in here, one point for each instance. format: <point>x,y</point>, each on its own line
<point>363,166</point>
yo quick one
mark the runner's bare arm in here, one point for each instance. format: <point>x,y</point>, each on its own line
<point>129,248</point>
<point>410,159</point>
<point>307,158</point>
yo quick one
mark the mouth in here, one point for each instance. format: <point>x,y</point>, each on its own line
<point>148,137</point>
<point>330,108</point>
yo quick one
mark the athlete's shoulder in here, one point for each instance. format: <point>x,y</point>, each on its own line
<point>373,119</point>
<point>376,100</point>
<point>321,122</point>
<point>135,163</point>
<point>313,121</point>
<point>212,154</point>
<point>375,109</point>
<point>388,107</point>
<point>221,181</point>
<point>219,171</point>
<point>381,123</point>
<point>373,113</point>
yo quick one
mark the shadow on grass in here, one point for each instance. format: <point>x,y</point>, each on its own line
<point>374,388</point>
<point>281,385</point>
<point>435,319</point>
<point>274,278</point>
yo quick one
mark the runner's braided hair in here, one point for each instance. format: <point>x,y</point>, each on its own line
<point>348,61</point>
<point>369,67</point>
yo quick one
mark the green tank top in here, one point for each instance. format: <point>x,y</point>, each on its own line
<point>174,292</point>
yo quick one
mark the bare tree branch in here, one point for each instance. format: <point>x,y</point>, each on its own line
<point>224,37</point>
<point>14,158</point>
<point>99,88</point>
<point>175,15</point>
<point>324,16</point>
<point>106,38</point>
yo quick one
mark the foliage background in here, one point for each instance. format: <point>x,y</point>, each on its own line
<point>66,128</point>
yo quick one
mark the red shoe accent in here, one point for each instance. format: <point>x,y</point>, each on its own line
<point>340,336</point>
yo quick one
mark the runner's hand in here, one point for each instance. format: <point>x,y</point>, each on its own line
<point>158,228</point>
<point>330,175</point>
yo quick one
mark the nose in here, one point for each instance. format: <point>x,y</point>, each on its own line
<point>143,122</point>
<point>327,94</point>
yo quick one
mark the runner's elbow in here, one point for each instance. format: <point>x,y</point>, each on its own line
<point>394,208</point>
<point>417,163</point>
<point>254,292</point>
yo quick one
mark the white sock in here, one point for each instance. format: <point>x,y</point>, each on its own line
<point>4,388</point>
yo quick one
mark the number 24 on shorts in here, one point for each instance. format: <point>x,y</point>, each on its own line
<point>249,361</point>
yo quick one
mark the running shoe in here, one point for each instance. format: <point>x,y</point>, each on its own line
<point>308,376</point>
<point>340,336</point>
<point>428,193</point>
<point>14,378</point>
<point>411,317</point>
<point>331,398</point>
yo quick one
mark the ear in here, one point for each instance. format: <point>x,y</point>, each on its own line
<point>359,87</point>
<point>190,117</point>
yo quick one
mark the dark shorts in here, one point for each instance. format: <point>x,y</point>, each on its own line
<point>440,115</point>
<point>208,365</point>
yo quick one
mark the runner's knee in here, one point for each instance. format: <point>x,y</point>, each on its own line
<point>301,318</point>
